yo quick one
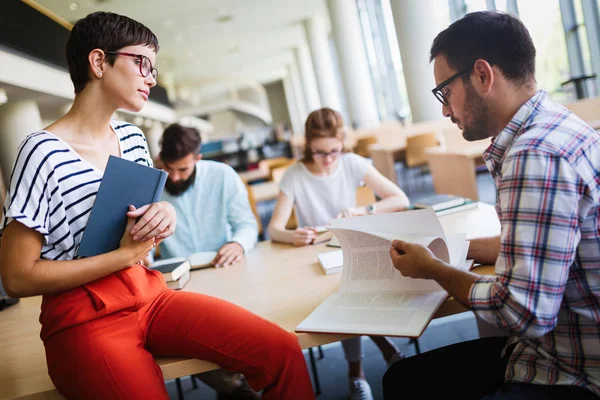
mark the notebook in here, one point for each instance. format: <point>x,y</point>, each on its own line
<point>440,202</point>
<point>172,268</point>
<point>181,282</point>
<point>124,182</point>
<point>331,262</point>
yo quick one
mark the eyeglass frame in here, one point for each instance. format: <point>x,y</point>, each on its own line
<point>438,89</point>
<point>322,154</point>
<point>139,57</point>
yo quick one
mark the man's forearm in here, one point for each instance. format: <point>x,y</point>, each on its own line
<point>455,281</point>
<point>484,250</point>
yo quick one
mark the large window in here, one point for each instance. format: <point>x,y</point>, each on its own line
<point>546,30</point>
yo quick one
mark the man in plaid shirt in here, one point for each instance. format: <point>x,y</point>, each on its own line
<point>545,162</point>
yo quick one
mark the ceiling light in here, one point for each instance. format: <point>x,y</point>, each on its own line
<point>3,96</point>
<point>73,6</point>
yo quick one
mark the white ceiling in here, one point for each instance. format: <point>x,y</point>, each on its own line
<point>212,43</point>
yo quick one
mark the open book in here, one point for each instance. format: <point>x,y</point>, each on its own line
<point>374,298</point>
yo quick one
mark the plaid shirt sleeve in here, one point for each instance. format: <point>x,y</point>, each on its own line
<point>538,196</point>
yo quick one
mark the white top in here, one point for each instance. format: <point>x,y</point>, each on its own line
<point>52,189</point>
<point>319,199</point>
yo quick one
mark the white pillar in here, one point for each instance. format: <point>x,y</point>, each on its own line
<point>17,120</point>
<point>298,92</point>
<point>415,37</point>
<point>354,64</point>
<point>318,40</point>
<point>153,135</point>
<point>309,81</point>
<point>290,98</point>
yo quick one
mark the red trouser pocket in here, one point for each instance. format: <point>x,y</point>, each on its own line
<point>129,288</point>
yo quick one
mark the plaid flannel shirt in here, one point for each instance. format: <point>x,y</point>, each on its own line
<point>546,166</point>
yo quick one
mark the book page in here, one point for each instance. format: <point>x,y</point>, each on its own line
<point>423,223</point>
<point>385,313</point>
<point>368,265</point>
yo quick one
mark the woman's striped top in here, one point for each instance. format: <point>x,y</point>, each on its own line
<point>52,189</point>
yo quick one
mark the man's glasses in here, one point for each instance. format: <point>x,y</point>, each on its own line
<point>322,154</point>
<point>146,67</point>
<point>437,92</point>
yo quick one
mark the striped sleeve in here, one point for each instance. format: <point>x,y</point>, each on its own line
<point>539,194</point>
<point>32,183</point>
<point>134,146</point>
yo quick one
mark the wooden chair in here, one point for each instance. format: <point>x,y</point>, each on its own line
<point>272,163</point>
<point>453,174</point>
<point>277,174</point>
<point>415,154</point>
<point>252,202</point>
<point>362,145</point>
<point>416,146</point>
<point>2,193</point>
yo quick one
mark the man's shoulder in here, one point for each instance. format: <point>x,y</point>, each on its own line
<point>215,171</point>
<point>215,167</point>
<point>556,131</point>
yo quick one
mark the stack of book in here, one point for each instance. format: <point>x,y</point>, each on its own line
<point>176,271</point>
<point>444,204</point>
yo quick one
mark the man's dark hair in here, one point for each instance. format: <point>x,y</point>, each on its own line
<point>106,31</point>
<point>178,142</point>
<point>499,38</point>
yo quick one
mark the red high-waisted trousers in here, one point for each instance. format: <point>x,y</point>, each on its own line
<point>101,339</point>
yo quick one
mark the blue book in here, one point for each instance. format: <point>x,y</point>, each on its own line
<point>124,182</point>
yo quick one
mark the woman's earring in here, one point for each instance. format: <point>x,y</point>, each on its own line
<point>99,74</point>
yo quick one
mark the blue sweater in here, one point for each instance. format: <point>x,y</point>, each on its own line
<point>212,212</point>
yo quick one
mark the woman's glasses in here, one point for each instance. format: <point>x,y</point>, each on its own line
<point>322,154</point>
<point>146,67</point>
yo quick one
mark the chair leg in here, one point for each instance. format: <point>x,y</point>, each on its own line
<point>416,343</point>
<point>194,383</point>
<point>321,355</point>
<point>179,388</point>
<point>313,366</point>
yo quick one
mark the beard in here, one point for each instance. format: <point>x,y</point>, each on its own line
<point>179,187</point>
<point>479,123</point>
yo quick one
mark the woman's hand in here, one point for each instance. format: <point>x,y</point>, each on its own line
<point>352,212</point>
<point>157,221</point>
<point>136,251</point>
<point>304,236</point>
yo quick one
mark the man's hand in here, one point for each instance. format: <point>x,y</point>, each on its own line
<point>414,260</point>
<point>229,254</point>
<point>157,221</point>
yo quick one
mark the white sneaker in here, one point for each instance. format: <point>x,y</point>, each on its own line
<point>360,389</point>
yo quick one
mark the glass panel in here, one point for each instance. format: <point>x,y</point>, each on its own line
<point>545,27</point>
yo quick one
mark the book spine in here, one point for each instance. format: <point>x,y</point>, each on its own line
<point>162,179</point>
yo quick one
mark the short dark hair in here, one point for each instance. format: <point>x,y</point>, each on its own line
<point>499,38</point>
<point>106,31</point>
<point>178,142</point>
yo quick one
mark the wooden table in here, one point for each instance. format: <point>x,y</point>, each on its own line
<point>279,282</point>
